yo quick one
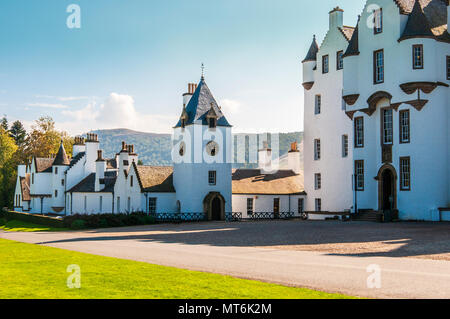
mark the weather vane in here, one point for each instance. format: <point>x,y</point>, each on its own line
<point>203,71</point>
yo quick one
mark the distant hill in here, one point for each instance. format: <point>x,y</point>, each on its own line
<point>155,149</point>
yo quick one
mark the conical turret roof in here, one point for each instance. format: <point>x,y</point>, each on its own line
<point>61,158</point>
<point>418,25</point>
<point>312,53</point>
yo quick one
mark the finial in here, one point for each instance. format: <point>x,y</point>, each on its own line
<point>203,71</point>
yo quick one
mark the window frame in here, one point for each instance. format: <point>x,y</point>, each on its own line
<point>359,118</point>
<point>301,205</point>
<point>251,210</point>
<point>402,125</point>
<point>402,174</point>
<point>212,178</point>
<point>384,128</point>
<point>276,205</point>
<point>326,70</point>
<point>448,67</point>
<point>317,104</point>
<point>359,175</point>
<point>317,149</point>
<point>318,204</point>
<point>317,181</point>
<point>152,205</point>
<point>414,57</point>
<point>340,60</point>
<point>376,67</point>
<point>375,29</point>
<point>345,148</point>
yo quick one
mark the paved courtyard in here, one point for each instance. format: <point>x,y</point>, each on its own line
<point>332,256</point>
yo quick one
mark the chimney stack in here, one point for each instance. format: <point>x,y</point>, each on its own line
<point>100,168</point>
<point>265,158</point>
<point>187,96</point>
<point>294,160</point>
<point>336,18</point>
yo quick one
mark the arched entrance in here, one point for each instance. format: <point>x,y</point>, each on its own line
<point>387,188</point>
<point>214,206</point>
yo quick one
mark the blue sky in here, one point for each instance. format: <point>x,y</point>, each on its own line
<point>131,60</point>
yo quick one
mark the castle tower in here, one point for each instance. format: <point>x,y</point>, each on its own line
<point>59,167</point>
<point>202,156</point>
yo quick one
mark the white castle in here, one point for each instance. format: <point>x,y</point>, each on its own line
<point>377,112</point>
<point>376,140</point>
<point>201,179</point>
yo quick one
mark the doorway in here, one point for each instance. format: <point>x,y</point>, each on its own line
<point>387,190</point>
<point>214,206</point>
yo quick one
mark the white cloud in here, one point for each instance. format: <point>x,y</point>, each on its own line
<point>63,98</point>
<point>117,111</point>
<point>230,106</point>
<point>47,105</point>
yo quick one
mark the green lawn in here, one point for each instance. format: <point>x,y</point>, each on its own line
<point>20,226</point>
<point>32,271</point>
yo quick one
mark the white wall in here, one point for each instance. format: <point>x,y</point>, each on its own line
<point>264,203</point>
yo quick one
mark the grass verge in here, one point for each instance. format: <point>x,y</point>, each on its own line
<point>30,271</point>
<point>21,226</point>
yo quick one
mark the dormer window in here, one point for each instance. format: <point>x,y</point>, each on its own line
<point>378,21</point>
<point>183,123</point>
<point>212,122</point>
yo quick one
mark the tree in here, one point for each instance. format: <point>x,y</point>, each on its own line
<point>18,133</point>
<point>4,123</point>
<point>44,139</point>
<point>8,168</point>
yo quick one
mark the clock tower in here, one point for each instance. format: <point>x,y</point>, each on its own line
<point>202,155</point>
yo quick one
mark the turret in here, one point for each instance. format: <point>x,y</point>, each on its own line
<point>309,65</point>
<point>59,167</point>
<point>100,168</point>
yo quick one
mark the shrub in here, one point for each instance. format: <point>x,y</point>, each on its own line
<point>110,220</point>
<point>3,221</point>
<point>33,219</point>
<point>78,224</point>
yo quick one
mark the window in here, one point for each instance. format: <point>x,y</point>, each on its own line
<point>359,175</point>
<point>56,193</point>
<point>32,178</point>
<point>317,181</point>
<point>325,64</point>
<point>101,204</point>
<point>387,126</point>
<point>378,67</point>
<point>118,204</point>
<point>276,205</point>
<point>318,204</point>
<point>212,122</point>
<point>404,126</point>
<point>317,150</point>
<point>405,174</point>
<point>301,206</point>
<point>344,145</point>
<point>56,170</point>
<point>448,67</point>
<point>152,205</point>
<point>378,21</point>
<point>62,182</point>
<point>212,177</point>
<point>318,104</point>
<point>131,181</point>
<point>129,204</point>
<point>359,132</point>
<point>85,204</point>
<point>249,206</point>
<point>417,56</point>
<point>340,60</point>
<point>183,123</point>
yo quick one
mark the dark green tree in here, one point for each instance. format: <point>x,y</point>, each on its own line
<point>18,133</point>
<point>4,123</point>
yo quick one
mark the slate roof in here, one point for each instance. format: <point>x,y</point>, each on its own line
<point>61,158</point>
<point>353,45</point>
<point>87,185</point>
<point>200,104</point>
<point>312,52</point>
<point>76,158</point>
<point>155,179</point>
<point>253,181</point>
<point>111,163</point>
<point>25,187</point>
<point>347,32</point>
<point>43,165</point>
<point>427,18</point>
